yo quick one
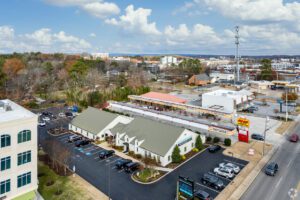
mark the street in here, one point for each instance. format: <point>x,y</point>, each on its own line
<point>277,188</point>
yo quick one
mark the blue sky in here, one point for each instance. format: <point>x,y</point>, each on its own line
<point>150,26</point>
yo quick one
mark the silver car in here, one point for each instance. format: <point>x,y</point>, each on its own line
<point>236,169</point>
<point>225,172</point>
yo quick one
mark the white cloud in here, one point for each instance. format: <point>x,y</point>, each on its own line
<point>255,10</point>
<point>41,40</point>
<point>96,8</point>
<point>135,21</point>
<point>92,35</point>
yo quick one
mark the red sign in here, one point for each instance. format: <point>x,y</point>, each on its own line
<point>243,136</point>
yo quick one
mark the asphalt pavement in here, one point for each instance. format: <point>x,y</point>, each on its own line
<point>287,179</point>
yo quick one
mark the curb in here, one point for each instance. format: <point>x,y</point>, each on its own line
<point>169,171</point>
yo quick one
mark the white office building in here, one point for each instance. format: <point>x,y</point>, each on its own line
<point>18,150</point>
<point>221,77</point>
<point>227,100</point>
<point>168,61</point>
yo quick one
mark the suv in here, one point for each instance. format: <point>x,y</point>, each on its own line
<point>74,138</point>
<point>69,114</point>
<point>236,169</point>
<point>80,143</point>
<point>212,181</point>
<point>120,164</point>
<point>224,171</point>
<point>202,195</point>
<point>106,153</point>
<point>131,167</point>
<point>271,169</point>
<point>294,138</point>
<point>256,136</point>
<point>214,148</point>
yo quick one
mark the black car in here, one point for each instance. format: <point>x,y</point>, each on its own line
<point>69,114</point>
<point>271,169</point>
<point>106,153</point>
<point>46,113</point>
<point>120,164</point>
<point>74,138</point>
<point>131,167</point>
<point>256,136</point>
<point>202,195</point>
<point>80,143</point>
<point>212,181</point>
<point>214,148</point>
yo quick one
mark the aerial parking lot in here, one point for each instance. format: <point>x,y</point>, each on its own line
<point>116,183</point>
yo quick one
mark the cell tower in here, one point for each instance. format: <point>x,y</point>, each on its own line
<point>237,43</point>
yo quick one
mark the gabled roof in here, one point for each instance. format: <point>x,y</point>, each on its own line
<point>93,120</point>
<point>163,97</point>
<point>158,137</point>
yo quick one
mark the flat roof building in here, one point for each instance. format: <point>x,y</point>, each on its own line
<point>18,151</point>
<point>163,97</point>
<point>227,100</point>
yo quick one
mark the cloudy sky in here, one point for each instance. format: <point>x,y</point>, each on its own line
<point>150,26</point>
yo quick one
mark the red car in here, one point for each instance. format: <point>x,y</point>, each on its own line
<point>294,138</point>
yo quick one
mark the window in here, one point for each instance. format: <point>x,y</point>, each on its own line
<point>184,149</point>
<point>169,158</point>
<point>5,163</point>
<point>192,144</point>
<point>24,136</point>
<point>4,186</point>
<point>24,157</point>
<point>24,179</point>
<point>5,141</point>
<point>137,149</point>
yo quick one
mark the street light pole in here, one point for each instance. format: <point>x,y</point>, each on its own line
<point>286,105</point>
<point>265,132</point>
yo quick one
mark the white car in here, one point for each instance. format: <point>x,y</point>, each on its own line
<point>61,114</point>
<point>224,171</point>
<point>46,119</point>
<point>236,169</point>
<point>42,124</point>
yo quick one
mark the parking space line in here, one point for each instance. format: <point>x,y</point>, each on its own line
<point>115,160</point>
<point>207,187</point>
<point>220,176</point>
<point>234,162</point>
<point>96,151</point>
<point>121,170</point>
<point>64,134</point>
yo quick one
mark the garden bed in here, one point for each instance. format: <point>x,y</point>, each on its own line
<point>148,175</point>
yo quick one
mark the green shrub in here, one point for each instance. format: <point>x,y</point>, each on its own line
<point>199,144</point>
<point>176,157</point>
<point>208,139</point>
<point>227,142</point>
<point>138,156</point>
<point>216,140</point>
<point>32,105</point>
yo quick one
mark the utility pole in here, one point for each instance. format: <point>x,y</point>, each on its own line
<point>237,43</point>
<point>286,105</point>
<point>265,133</point>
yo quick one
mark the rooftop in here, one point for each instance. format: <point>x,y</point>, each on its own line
<point>93,120</point>
<point>229,93</point>
<point>163,97</point>
<point>10,111</point>
<point>158,137</point>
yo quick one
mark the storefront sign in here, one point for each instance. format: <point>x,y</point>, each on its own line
<point>185,141</point>
<point>241,121</point>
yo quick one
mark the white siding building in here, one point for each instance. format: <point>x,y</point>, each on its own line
<point>154,139</point>
<point>95,124</point>
<point>227,100</point>
<point>222,77</point>
<point>168,61</point>
<point>18,150</point>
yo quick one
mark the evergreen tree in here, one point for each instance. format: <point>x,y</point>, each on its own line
<point>176,157</point>
<point>199,144</point>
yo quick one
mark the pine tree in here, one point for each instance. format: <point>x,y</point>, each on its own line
<point>199,144</point>
<point>176,157</point>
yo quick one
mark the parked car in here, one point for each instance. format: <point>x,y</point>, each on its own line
<point>254,108</point>
<point>225,172</point>
<point>214,148</point>
<point>120,164</point>
<point>202,195</point>
<point>61,114</point>
<point>236,169</point>
<point>106,153</point>
<point>271,169</point>
<point>69,114</point>
<point>131,167</point>
<point>46,113</point>
<point>42,124</point>
<point>80,143</point>
<point>212,181</point>
<point>46,119</point>
<point>294,138</point>
<point>74,138</point>
<point>256,136</point>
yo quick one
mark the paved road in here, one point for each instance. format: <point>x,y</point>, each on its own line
<point>276,188</point>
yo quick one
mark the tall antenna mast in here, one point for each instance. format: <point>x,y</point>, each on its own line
<point>237,43</point>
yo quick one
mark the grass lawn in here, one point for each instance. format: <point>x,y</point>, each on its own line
<point>65,185</point>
